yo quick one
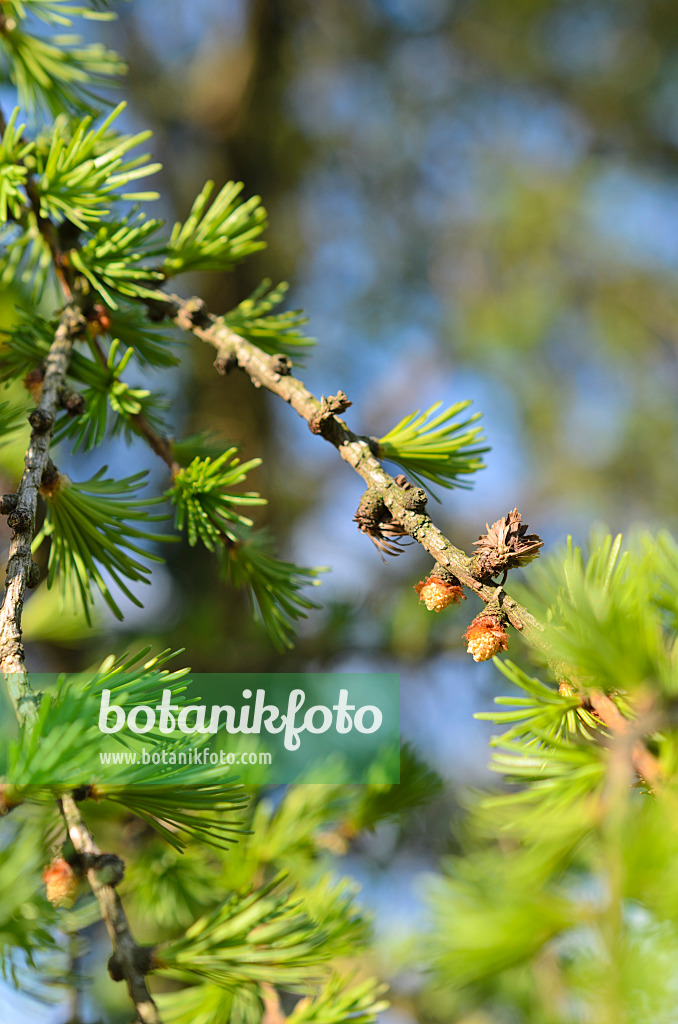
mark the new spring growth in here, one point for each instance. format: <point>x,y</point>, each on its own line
<point>486,636</point>
<point>193,718</point>
<point>440,589</point>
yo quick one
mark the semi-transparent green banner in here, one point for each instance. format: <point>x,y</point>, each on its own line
<point>118,728</point>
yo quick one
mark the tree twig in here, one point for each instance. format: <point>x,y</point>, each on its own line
<point>358,451</point>
<point>127,955</point>
<point>22,519</point>
<point>158,443</point>
<point>130,959</point>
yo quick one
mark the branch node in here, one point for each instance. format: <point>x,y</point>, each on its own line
<point>33,575</point>
<point>330,407</point>
<point>82,793</point>
<point>506,545</point>
<point>20,519</point>
<point>8,503</point>
<point>414,498</point>
<point>157,310</point>
<point>33,382</point>
<point>142,959</point>
<point>373,518</point>
<point>281,365</point>
<point>72,401</point>
<point>41,421</point>
<point>74,322</point>
<point>49,481</point>
<point>225,362</point>
<point>193,313</point>
<point>109,868</point>
<point>98,319</point>
<point>115,968</point>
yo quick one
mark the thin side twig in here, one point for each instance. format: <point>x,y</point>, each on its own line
<point>158,443</point>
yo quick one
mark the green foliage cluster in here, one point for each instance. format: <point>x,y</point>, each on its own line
<point>438,448</point>
<point>240,936</point>
<point>560,907</point>
<point>71,205</point>
<point>67,187</point>
<point>205,506</point>
<point>563,905</point>
<point>91,531</point>
<point>237,929</point>
<point>59,73</point>
<point>253,319</point>
<point>274,586</point>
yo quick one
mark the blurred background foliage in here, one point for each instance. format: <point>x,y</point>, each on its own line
<point>471,200</point>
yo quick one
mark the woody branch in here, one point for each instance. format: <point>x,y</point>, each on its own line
<point>22,517</point>
<point>129,960</point>
<point>274,374</point>
<point>22,510</point>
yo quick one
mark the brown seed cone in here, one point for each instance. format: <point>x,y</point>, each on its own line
<point>486,637</point>
<point>437,593</point>
<point>506,545</point>
<point>61,882</point>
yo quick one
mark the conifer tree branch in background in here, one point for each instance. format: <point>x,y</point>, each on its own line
<point>22,518</point>
<point>273,373</point>
<point>129,959</point>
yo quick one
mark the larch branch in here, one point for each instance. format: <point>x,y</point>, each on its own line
<point>272,373</point>
<point>269,372</point>
<point>22,519</point>
<point>129,957</point>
